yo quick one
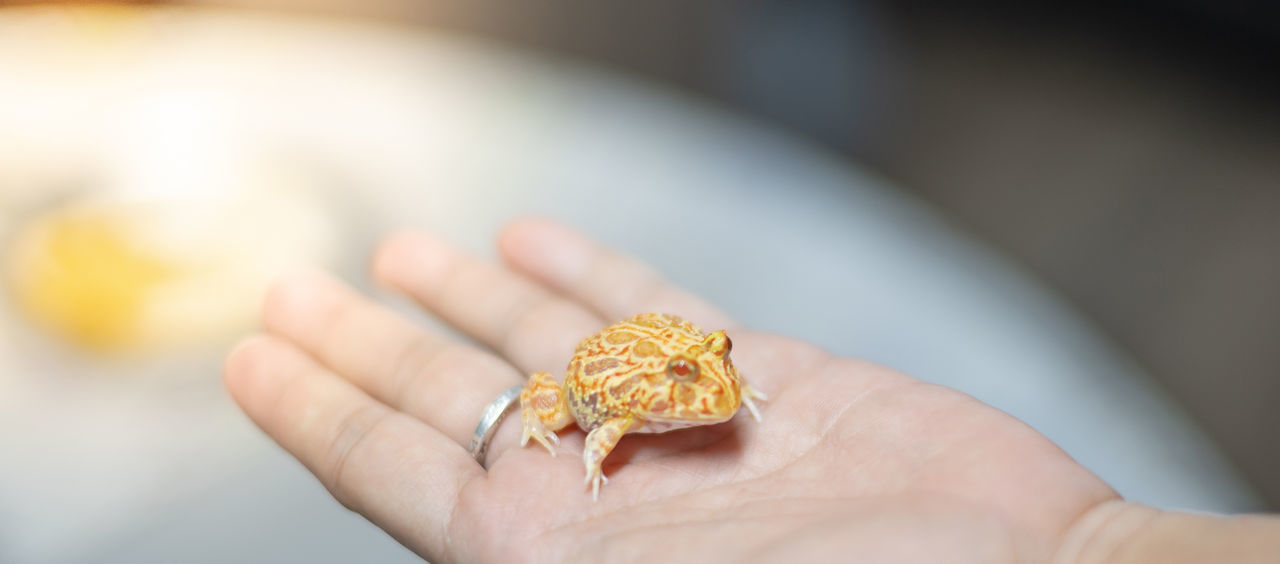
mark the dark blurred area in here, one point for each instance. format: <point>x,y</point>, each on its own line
<point>1127,153</point>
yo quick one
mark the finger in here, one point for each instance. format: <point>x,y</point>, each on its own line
<point>401,474</point>
<point>529,325</point>
<point>614,285</point>
<point>436,379</point>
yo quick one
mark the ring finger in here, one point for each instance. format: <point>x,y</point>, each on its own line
<point>442,382</point>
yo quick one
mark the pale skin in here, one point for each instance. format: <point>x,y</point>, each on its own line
<point>851,461</point>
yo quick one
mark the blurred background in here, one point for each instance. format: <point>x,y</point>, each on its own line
<point>1100,176</point>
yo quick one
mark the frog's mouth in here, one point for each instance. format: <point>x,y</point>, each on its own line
<point>662,424</point>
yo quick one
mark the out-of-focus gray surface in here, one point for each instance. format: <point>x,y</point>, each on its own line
<point>459,137</point>
<point>1126,152</point>
<point>269,509</point>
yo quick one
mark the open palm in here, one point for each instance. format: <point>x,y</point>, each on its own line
<point>851,459</point>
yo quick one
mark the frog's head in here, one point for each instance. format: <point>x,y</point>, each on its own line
<point>699,385</point>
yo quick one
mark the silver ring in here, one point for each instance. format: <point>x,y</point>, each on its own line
<point>493,415</point>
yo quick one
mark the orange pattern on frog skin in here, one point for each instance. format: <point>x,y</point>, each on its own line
<point>652,367</point>
<point>621,337</point>
<point>646,348</point>
<point>596,367</point>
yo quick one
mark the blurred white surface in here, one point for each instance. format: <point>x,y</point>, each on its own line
<point>459,137</point>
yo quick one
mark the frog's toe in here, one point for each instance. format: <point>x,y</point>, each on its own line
<point>550,438</point>
<point>534,429</point>
<point>595,479</point>
<point>547,439</point>
<point>749,397</point>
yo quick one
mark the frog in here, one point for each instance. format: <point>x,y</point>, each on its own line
<point>651,373</point>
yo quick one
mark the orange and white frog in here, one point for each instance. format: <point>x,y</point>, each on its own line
<point>649,374</point>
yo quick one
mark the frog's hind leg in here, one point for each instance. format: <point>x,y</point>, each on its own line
<point>543,411</point>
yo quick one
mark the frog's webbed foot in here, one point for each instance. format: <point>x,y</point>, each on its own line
<point>749,397</point>
<point>543,411</point>
<point>533,428</point>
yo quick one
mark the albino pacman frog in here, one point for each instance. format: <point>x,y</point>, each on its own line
<point>649,374</point>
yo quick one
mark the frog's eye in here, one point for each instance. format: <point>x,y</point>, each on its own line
<point>718,343</point>
<point>681,370</point>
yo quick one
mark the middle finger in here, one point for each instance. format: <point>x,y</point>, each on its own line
<point>528,324</point>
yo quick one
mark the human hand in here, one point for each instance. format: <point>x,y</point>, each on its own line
<point>851,459</point>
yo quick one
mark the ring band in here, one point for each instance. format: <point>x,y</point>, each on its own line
<point>493,415</point>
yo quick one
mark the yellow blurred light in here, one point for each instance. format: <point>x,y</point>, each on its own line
<point>78,273</point>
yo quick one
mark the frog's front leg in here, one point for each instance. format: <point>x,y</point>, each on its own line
<point>600,442</point>
<point>543,410</point>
